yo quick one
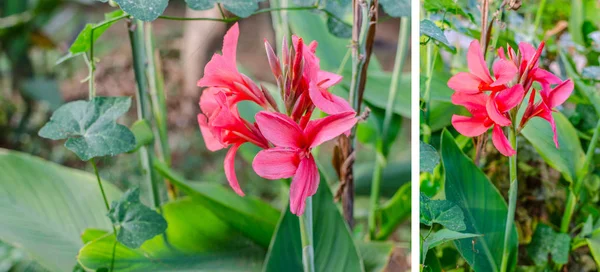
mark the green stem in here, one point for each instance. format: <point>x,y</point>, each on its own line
<point>93,162</point>
<point>512,200</point>
<point>92,68</point>
<point>539,14</point>
<point>382,142</point>
<point>236,18</point>
<point>280,23</point>
<point>306,235</point>
<point>136,36</point>
<point>574,189</point>
<point>432,51</point>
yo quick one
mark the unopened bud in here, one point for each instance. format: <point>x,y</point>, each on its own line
<point>273,60</point>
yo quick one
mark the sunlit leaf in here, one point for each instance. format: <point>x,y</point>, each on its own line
<point>90,127</point>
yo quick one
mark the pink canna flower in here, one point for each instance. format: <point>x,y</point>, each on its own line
<point>550,99</point>
<point>304,85</point>
<point>221,72</point>
<point>222,126</point>
<point>528,62</point>
<point>291,155</point>
<point>480,106</point>
<point>478,79</point>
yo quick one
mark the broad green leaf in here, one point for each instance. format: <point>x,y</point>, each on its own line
<point>371,131</point>
<point>375,255</point>
<point>395,175</point>
<point>484,208</point>
<point>546,241</point>
<point>339,28</point>
<point>442,212</point>
<point>450,6</point>
<point>576,21</point>
<point>591,72</point>
<point>90,127</point>
<point>196,240</point>
<point>247,215</point>
<point>142,131</point>
<point>83,42</point>
<point>44,90</point>
<point>581,87</point>
<point>594,245</point>
<point>145,10</point>
<point>569,157</point>
<point>396,8</point>
<point>431,30</point>
<point>44,207</point>
<point>137,223</point>
<point>428,157</point>
<point>334,248</point>
<point>440,237</point>
<point>241,8</point>
<point>394,212</point>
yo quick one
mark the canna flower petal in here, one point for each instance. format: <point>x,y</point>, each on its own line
<point>560,94</point>
<point>547,115</point>
<point>495,114</point>
<point>276,163</point>
<point>544,77</point>
<point>476,63</point>
<point>475,103</point>
<point>327,79</point>
<point>210,140</point>
<point>324,129</point>
<point>510,98</point>
<point>527,51</point>
<point>327,102</point>
<point>229,165</point>
<point>465,83</point>
<point>304,184</point>
<point>469,126</point>
<point>280,129</point>
<point>221,70</point>
<point>504,71</point>
<point>501,142</point>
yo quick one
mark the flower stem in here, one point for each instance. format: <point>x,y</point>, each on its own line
<point>382,142</point>
<point>512,200</point>
<point>575,188</point>
<point>136,37</point>
<point>306,235</point>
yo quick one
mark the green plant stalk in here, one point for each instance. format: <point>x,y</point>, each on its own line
<point>574,189</point>
<point>539,14</point>
<point>92,68</point>
<point>93,162</point>
<point>280,22</point>
<point>306,235</point>
<point>512,199</point>
<point>157,94</point>
<point>382,142</point>
<point>136,37</point>
<point>432,51</point>
<point>236,18</point>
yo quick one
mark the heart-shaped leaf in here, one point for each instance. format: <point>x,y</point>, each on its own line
<point>431,30</point>
<point>546,241</point>
<point>137,222</point>
<point>241,8</point>
<point>442,212</point>
<point>90,127</point>
<point>145,10</point>
<point>428,158</point>
<point>396,8</point>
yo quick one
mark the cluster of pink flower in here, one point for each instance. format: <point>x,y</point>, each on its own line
<point>286,138</point>
<point>489,99</point>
